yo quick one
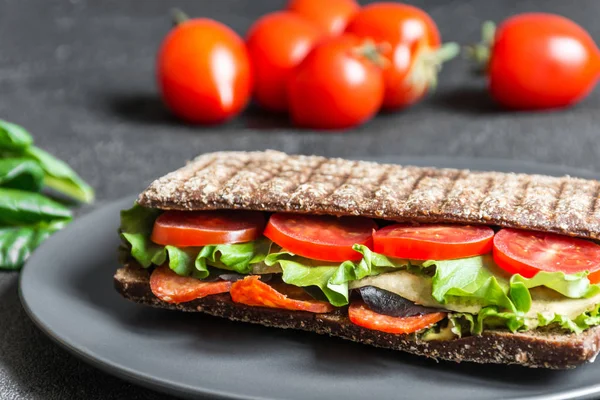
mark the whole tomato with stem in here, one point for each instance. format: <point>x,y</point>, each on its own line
<point>338,85</point>
<point>331,16</point>
<point>538,61</point>
<point>277,43</point>
<point>203,71</point>
<point>416,53</point>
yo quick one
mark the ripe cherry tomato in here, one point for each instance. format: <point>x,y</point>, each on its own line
<point>320,237</point>
<point>204,72</point>
<point>172,288</point>
<point>542,61</point>
<point>414,59</point>
<point>331,16</point>
<point>277,43</point>
<point>360,314</point>
<point>201,228</point>
<point>527,253</point>
<point>251,291</point>
<point>336,86</point>
<point>433,242</point>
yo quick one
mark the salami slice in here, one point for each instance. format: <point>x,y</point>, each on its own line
<point>172,288</point>
<point>361,315</point>
<point>253,292</point>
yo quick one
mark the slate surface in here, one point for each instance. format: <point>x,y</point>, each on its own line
<point>79,75</point>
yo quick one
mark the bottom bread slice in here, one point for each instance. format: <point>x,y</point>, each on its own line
<point>536,349</point>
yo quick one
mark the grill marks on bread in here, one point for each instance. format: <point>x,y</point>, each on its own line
<point>275,181</point>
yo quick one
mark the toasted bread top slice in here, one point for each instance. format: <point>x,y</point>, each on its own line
<point>274,181</point>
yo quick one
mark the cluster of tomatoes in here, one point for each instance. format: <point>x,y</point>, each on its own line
<point>333,64</point>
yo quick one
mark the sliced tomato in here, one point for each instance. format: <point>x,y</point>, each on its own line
<point>360,314</point>
<point>527,253</point>
<point>320,237</point>
<point>433,242</point>
<point>172,288</point>
<point>253,292</point>
<point>201,228</point>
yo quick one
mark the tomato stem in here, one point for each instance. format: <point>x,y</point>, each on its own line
<point>446,53</point>
<point>373,52</point>
<point>179,16</point>
<point>429,63</point>
<point>488,32</point>
<point>480,53</point>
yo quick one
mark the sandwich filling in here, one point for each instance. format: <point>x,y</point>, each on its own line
<point>435,281</point>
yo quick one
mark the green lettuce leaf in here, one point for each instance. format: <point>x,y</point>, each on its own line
<point>491,318</point>
<point>469,279</point>
<point>478,280</point>
<point>331,278</point>
<point>136,228</point>
<point>237,257</point>
<point>181,261</point>
<point>370,265</point>
<point>575,286</point>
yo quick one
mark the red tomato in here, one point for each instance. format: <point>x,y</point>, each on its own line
<point>414,40</point>
<point>251,291</point>
<point>433,242</point>
<point>277,43</point>
<point>332,16</point>
<point>542,61</point>
<point>360,314</point>
<point>201,228</point>
<point>172,288</point>
<point>336,87</point>
<point>320,237</point>
<point>527,253</point>
<point>204,72</point>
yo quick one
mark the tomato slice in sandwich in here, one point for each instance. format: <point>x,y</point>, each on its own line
<point>433,242</point>
<point>527,253</point>
<point>201,228</point>
<point>172,288</point>
<point>253,292</point>
<point>320,237</point>
<point>360,314</point>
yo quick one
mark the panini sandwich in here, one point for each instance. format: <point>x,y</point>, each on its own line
<point>450,264</point>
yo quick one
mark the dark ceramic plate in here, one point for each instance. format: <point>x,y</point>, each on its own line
<point>67,289</point>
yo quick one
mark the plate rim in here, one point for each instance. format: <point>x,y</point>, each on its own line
<point>188,391</point>
<point>113,368</point>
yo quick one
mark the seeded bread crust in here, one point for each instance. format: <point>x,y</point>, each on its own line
<point>275,181</point>
<point>535,349</point>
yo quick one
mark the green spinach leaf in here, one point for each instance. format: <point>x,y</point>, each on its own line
<point>21,173</point>
<point>17,243</point>
<point>59,176</point>
<point>18,207</point>
<point>13,137</point>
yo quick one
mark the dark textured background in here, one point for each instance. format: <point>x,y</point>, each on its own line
<point>79,75</point>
